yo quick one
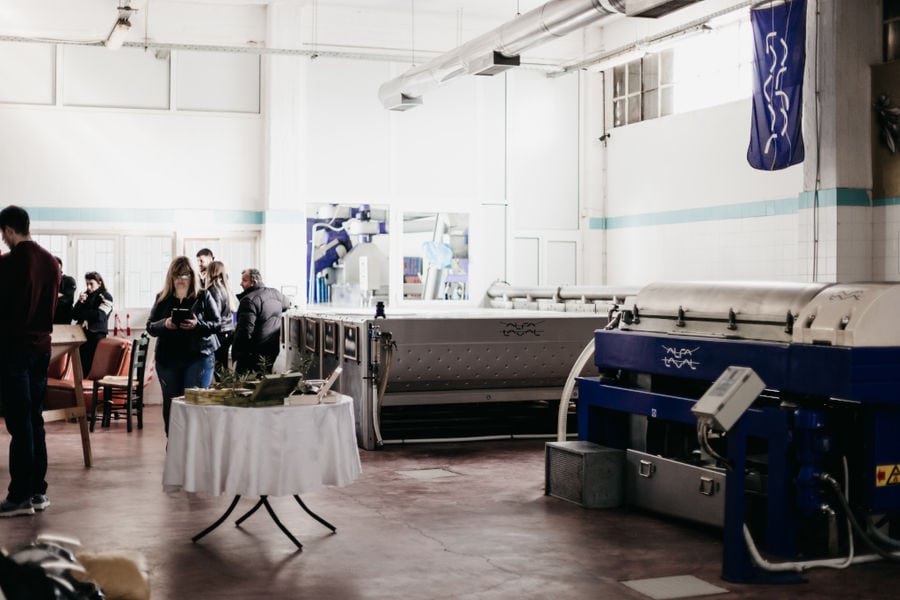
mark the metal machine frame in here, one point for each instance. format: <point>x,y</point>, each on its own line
<point>823,402</point>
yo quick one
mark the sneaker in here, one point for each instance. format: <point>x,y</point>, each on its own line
<point>40,501</point>
<point>14,509</point>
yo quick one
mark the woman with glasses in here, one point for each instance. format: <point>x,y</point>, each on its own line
<point>185,321</point>
<point>92,312</point>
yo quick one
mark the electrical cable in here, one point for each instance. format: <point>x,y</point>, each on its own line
<point>877,534</point>
<point>381,386</point>
<point>852,524</point>
<point>703,431</point>
<point>836,488</point>
<point>569,387</point>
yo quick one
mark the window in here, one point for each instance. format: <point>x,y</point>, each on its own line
<point>97,254</point>
<point>238,253</point>
<point>134,266</point>
<point>891,30</point>
<point>643,88</point>
<point>54,244</point>
<point>144,270</point>
<point>700,71</point>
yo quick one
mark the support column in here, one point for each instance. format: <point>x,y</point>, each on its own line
<point>285,106</point>
<point>835,217</point>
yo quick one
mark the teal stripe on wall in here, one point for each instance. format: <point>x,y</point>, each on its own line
<point>886,202</point>
<point>745,210</point>
<point>285,217</point>
<point>140,215</point>
<point>835,197</point>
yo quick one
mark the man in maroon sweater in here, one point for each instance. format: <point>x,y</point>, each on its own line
<point>30,277</point>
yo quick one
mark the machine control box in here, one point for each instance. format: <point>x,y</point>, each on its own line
<point>728,397</point>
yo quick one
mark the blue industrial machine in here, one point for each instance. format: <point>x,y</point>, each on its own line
<point>806,470</point>
<point>342,255</point>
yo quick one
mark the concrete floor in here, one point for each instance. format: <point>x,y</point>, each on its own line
<point>483,531</point>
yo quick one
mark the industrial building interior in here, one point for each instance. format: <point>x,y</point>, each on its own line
<point>610,287</point>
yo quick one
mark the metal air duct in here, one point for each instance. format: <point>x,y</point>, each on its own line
<point>499,49</point>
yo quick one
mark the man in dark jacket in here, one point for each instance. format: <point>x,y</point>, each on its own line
<point>66,298</point>
<point>27,301</point>
<point>257,336</point>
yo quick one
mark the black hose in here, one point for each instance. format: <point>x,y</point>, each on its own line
<point>825,477</point>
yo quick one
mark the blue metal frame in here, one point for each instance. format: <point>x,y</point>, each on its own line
<point>597,403</point>
<point>865,381</point>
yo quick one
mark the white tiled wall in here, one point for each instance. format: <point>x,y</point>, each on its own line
<point>763,248</point>
<point>886,243</point>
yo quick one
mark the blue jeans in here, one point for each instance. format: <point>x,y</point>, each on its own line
<point>23,382</point>
<point>175,376</point>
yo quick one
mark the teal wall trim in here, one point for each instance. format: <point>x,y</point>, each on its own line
<point>744,210</point>
<point>836,197</point>
<point>886,202</point>
<point>141,215</point>
<point>280,216</point>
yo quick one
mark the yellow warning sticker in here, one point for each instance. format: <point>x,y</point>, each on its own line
<point>887,475</point>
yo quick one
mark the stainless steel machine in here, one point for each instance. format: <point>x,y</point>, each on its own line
<point>422,362</point>
<point>768,409</point>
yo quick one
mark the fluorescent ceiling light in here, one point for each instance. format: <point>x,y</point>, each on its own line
<point>120,30</point>
<point>400,102</point>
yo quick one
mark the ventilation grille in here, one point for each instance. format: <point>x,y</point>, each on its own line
<point>585,473</point>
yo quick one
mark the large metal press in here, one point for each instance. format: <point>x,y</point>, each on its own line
<point>517,351</point>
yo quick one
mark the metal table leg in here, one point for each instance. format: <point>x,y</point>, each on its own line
<point>250,512</point>
<point>315,516</point>
<point>219,521</point>
<point>265,502</point>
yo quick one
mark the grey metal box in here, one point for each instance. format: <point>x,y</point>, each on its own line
<point>584,473</point>
<point>675,488</point>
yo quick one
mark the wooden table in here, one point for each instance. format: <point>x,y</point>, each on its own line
<point>67,339</point>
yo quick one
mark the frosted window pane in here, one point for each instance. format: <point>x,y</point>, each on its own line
<point>97,255</point>
<point>146,264</point>
<point>54,244</point>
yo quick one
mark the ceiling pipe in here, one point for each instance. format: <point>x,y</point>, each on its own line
<point>551,20</point>
<point>500,48</point>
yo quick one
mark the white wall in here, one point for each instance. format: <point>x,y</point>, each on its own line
<point>71,157</point>
<point>692,199</point>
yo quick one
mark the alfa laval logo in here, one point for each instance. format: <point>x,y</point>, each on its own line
<point>680,357</point>
<point>520,328</point>
<point>846,295</point>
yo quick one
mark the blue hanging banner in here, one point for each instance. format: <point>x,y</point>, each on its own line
<point>779,54</point>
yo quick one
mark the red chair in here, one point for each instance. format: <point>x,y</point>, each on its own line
<point>112,357</point>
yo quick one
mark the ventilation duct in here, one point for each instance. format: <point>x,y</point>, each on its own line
<point>499,49</point>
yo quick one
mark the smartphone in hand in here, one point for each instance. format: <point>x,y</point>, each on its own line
<point>180,315</point>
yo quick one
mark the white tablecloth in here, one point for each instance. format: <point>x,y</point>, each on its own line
<point>274,451</point>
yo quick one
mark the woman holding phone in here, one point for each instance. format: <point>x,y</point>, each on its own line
<point>185,321</point>
<point>92,311</point>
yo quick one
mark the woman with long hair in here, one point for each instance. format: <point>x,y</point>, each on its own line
<point>185,321</point>
<point>220,292</point>
<point>92,311</point>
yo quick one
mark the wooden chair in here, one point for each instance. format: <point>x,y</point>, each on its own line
<point>110,358</point>
<point>124,392</point>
